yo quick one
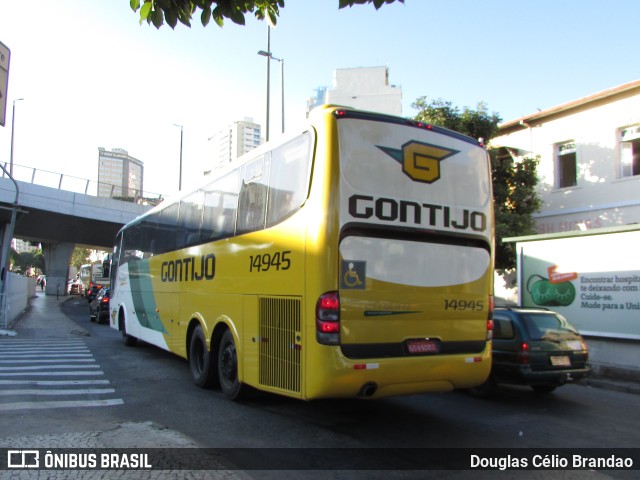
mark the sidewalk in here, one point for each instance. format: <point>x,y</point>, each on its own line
<point>44,319</point>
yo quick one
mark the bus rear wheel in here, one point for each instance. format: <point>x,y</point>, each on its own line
<point>200,358</point>
<point>228,368</point>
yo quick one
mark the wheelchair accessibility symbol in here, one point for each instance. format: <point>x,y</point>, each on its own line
<point>354,274</point>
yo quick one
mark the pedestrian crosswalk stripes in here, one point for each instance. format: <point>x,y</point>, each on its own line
<point>75,391</point>
<point>48,374</point>
<point>59,404</point>
<point>54,382</point>
<point>54,374</point>
<point>45,367</point>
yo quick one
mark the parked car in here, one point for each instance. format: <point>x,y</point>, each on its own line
<point>535,347</point>
<point>99,307</point>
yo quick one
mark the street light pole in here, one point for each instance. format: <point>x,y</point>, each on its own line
<point>13,123</point>
<point>281,60</point>
<point>270,56</point>
<point>180,176</point>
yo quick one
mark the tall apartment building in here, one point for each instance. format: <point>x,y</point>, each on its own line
<point>235,140</point>
<point>119,174</point>
<point>365,88</point>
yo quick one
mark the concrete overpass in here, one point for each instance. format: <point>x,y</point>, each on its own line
<point>60,220</point>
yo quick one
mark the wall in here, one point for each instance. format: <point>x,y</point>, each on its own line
<point>601,197</point>
<point>19,290</point>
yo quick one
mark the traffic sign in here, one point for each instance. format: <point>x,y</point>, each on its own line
<point>5,55</point>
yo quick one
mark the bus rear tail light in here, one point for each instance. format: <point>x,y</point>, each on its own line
<point>328,319</point>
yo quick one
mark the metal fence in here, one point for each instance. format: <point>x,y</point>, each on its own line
<point>74,184</point>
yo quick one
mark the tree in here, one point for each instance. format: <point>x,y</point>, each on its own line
<point>23,261</point>
<point>479,123</point>
<point>515,198</point>
<point>157,12</point>
<point>79,257</point>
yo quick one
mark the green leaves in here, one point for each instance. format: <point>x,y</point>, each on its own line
<point>376,3</point>
<point>159,12</point>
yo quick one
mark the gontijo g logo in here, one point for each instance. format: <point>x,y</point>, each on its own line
<point>420,161</point>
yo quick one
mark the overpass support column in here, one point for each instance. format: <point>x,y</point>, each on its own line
<point>57,257</point>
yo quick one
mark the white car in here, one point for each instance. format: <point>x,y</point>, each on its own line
<point>75,287</point>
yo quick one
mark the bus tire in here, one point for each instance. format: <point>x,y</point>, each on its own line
<point>200,364</point>
<point>228,368</point>
<point>127,339</point>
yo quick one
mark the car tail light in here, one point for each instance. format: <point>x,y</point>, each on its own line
<point>490,305</point>
<point>523,353</point>
<point>328,319</point>
<point>105,299</point>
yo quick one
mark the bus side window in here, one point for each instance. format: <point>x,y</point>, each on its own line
<point>253,198</point>
<point>190,219</point>
<point>167,220</point>
<point>220,206</point>
<point>289,178</point>
<point>131,243</point>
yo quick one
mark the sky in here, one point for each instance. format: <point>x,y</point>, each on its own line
<point>91,76</point>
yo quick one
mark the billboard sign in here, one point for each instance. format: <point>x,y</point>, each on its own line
<point>593,280</point>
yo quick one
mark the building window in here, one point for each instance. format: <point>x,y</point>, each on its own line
<point>630,151</point>
<point>566,164</point>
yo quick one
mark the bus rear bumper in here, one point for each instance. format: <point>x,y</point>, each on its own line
<point>379,378</point>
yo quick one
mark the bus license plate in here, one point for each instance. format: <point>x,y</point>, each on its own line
<point>422,346</point>
<point>561,361</point>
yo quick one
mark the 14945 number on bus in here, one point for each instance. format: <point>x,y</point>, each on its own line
<point>455,304</point>
<point>270,261</point>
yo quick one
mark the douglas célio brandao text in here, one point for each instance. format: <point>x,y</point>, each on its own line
<point>549,461</point>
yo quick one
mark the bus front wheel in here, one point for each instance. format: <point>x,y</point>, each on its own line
<point>200,360</point>
<point>228,368</point>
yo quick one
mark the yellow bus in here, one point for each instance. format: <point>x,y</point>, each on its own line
<point>352,259</point>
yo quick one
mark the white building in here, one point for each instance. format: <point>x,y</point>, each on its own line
<point>119,174</point>
<point>365,88</point>
<point>235,140</point>
<point>589,171</point>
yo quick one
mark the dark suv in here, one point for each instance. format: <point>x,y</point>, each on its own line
<point>535,347</point>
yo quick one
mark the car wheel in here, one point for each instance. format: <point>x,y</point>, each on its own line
<point>543,388</point>
<point>200,364</point>
<point>228,368</point>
